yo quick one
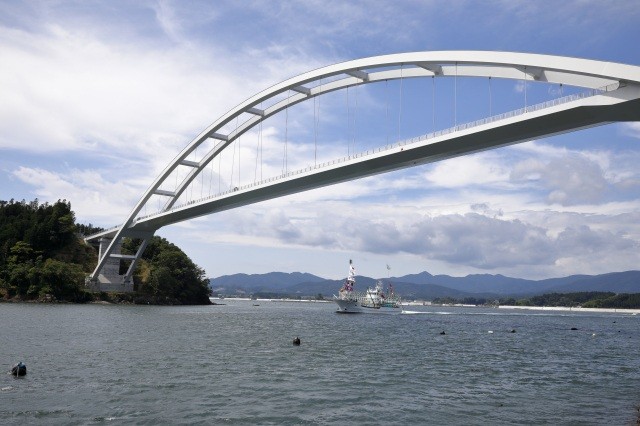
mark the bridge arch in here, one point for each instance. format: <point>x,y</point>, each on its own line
<point>583,73</point>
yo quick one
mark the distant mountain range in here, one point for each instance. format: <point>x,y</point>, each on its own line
<point>426,286</point>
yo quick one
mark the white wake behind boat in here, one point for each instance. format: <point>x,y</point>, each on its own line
<point>374,300</point>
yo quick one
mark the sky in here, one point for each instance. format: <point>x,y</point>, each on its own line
<point>97,97</point>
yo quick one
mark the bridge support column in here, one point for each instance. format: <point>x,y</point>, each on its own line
<point>110,278</point>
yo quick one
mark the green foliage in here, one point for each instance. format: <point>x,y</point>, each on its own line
<point>478,301</point>
<point>565,299</point>
<point>167,274</point>
<point>89,229</point>
<point>509,301</point>
<point>45,227</point>
<point>33,237</point>
<point>618,301</point>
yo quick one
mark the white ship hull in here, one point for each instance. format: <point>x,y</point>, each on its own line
<point>355,307</point>
<point>348,306</point>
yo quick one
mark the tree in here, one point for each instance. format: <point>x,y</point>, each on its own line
<point>39,251</point>
<point>166,273</point>
<point>62,280</point>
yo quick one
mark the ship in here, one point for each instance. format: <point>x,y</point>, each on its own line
<point>373,300</point>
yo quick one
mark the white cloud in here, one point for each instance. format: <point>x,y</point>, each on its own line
<point>478,169</point>
<point>570,180</point>
<point>632,129</point>
<point>75,92</point>
<point>93,198</point>
<point>485,240</point>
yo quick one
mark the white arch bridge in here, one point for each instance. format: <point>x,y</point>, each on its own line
<point>609,92</point>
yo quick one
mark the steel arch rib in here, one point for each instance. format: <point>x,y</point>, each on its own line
<point>506,65</point>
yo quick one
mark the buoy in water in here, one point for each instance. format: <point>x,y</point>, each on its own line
<point>296,341</point>
<point>490,331</point>
<point>19,369</point>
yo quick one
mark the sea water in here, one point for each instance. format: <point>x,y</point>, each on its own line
<point>236,364</point>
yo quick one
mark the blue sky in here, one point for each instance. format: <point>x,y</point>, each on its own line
<point>98,96</point>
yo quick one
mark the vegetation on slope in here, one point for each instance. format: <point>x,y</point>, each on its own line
<point>40,255</point>
<point>166,275</point>
<point>43,257</point>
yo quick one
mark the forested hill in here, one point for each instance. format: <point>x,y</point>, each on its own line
<point>43,257</point>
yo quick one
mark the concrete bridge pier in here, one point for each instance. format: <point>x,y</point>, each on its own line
<point>110,278</point>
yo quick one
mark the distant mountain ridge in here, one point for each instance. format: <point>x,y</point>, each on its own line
<point>272,281</point>
<point>427,286</point>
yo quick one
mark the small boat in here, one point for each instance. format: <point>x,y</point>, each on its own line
<point>374,300</point>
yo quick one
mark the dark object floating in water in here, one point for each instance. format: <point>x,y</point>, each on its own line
<point>296,341</point>
<point>513,330</point>
<point>574,328</point>
<point>442,333</point>
<point>19,369</point>
<point>255,304</point>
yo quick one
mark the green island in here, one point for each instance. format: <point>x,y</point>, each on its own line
<point>43,258</point>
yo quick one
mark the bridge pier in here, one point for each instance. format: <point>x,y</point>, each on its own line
<point>110,278</point>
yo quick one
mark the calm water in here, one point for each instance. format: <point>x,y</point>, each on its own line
<point>235,364</point>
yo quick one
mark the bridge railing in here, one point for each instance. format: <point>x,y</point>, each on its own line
<point>432,135</point>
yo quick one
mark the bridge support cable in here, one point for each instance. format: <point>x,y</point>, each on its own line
<point>202,184</point>
<point>316,118</point>
<point>355,119</point>
<point>433,102</point>
<point>490,100</point>
<point>211,178</point>
<point>505,65</point>
<point>236,144</point>
<point>386,117</point>
<point>427,105</point>
<point>455,97</point>
<point>348,115</point>
<point>524,79</point>
<point>286,133</point>
<point>261,148</point>
<point>400,102</point>
<point>195,156</point>
<point>352,112</point>
<point>255,169</point>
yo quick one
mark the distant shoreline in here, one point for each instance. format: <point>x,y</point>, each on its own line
<point>578,309</point>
